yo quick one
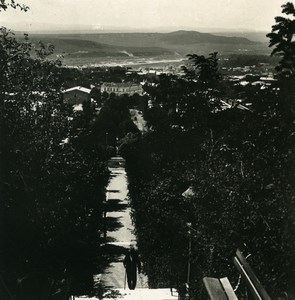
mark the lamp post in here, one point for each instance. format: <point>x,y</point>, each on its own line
<point>117,146</point>
<point>187,194</point>
<point>189,253</point>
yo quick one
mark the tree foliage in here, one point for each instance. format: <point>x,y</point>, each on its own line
<point>52,189</point>
<point>204,69</point>
<point>239,164</point>
<point>5,4</point>
<point>282,37</point>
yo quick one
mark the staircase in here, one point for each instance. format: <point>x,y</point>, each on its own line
<point>113,278</point>
<point>137,294</point>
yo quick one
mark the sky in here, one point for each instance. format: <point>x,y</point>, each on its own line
<point>146,15</point>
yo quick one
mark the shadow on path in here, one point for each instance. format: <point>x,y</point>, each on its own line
<point>115,205</point>
<point>113,224</point>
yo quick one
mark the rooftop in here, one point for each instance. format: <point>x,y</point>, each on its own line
<point>78,88</point>
<point>120,84</point>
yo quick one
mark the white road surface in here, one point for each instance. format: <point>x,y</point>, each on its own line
<point>142,294</point>
<point>114,275</point>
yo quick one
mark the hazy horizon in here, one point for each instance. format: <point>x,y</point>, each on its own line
<point>52,28</point>
<point>143,16</point>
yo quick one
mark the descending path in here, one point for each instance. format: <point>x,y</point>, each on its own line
<point>119,235</point>
<point>114,275</point>
<point>139,294</point>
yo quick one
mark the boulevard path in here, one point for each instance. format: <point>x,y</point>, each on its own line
<point>119,236</point>
<point>122,235</point>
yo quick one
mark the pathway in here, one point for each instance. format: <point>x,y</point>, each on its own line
<point>140,294</point>
<point>119,236</point>
<point>119,215</point>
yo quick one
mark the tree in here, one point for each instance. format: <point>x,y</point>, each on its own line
<point>202,68</point>
<point>187,102</point>
<point>240,166</point>
<point>5,4</point>
<point>52,188</point>
<point>281,37</point>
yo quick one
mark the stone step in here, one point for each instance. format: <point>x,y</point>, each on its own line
<point>137,294</point>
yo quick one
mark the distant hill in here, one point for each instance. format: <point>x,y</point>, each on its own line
<point>256,36</point>
<point>137,39</point>
<point>194,37</point>
<point>76,47</point>
<point>161,45</point>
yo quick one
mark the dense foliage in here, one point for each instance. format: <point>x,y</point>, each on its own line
<point>5,4</point>
<point>239,164</point>
<point>52,188</point>
<point>282,38</point>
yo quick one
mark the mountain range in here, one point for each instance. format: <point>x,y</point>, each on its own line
<point>136,44</point>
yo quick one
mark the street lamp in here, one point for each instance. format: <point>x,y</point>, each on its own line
<point>189,252</point>
<point>117,146</point>
<point>188,193</point>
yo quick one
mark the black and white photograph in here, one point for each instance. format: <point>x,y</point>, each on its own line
<point>147,149</point>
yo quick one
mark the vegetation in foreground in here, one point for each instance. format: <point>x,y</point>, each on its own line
<point>53,176</point>
<point>239,163</point>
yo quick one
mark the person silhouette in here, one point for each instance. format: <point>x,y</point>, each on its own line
<point>132,264</point>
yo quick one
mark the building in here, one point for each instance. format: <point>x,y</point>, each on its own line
<point>76,95</point>
<point>121,88</point>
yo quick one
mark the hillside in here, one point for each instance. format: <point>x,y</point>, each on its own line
<point>152,39</point>
<point>85,48</point>
<point>194,37</point>
<point>256,36</point>
<point>113,47</point>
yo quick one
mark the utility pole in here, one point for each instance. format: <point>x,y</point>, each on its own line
<point>187,194</point>
<point>117,146</point>
<point>189,253</point>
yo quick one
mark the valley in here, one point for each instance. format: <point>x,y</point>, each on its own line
<point>140,49</point>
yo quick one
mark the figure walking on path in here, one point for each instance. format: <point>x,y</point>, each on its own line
<point>132,264</point>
